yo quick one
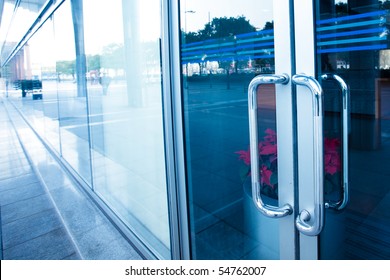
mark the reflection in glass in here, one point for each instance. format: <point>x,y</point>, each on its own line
<point>124,92</point>
<point>16,19</point>
<point>72,101</point>
<point>43,69</point>
<point>223,48</point>
<point>32,84</point>
<point>100,95</point>
<point>353,43</point>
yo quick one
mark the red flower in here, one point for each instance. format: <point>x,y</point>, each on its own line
<point>268,160</point>
<point>267,149</point>
<point>270,136</point>
<point>245,156</point>
<point>332,156</point>
<point>268,146</point>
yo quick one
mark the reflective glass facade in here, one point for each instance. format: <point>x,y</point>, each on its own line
<point>91,88</point>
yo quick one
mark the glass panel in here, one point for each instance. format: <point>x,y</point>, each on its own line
<point>44,99</point>
<point>72,105</point>
<point>114,68</point>
<point>353,43</point>
<point>223,48</point>
<point>33,86</point>
<point>124,91</point>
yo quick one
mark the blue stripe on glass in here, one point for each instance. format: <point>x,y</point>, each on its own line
<point>348,25</point>
<point>200,43</point>
<point>352,41</point>
<point>256,39</point>
<point>269,31</point>
<point>228,58</point>
<point>238,48</point>
<point>244,35</point>
<point>356,48</point>
<point>351,33</point>
<point>240,44</point>
<point>371,14</point>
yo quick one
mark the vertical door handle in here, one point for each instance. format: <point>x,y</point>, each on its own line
<point>267,210</point>
<point>311,223</point>
<point>339,205</point>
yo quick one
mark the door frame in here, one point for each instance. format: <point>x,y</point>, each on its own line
<point>305,63</point>
<point>174,131</point>
<point>285,120</point>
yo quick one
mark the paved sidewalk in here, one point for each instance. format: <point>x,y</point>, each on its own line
<point>43,213</point>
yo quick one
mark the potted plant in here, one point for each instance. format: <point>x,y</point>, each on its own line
<point>258,226</point>
<point>268,162</point>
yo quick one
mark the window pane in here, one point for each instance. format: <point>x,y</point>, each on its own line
<point>72,97</point>
<point>124,92</point>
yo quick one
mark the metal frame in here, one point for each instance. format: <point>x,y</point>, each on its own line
<point>342,203</point>
<point>305,63</point>
<point>174,130</point>
<point>285,119</point>
<point>47,11</point>
<point>267,210</point>
<point>311,222</point>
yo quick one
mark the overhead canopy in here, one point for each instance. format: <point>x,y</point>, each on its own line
<point>16,18</point>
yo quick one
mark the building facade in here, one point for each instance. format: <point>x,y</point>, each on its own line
<point>212,129</point>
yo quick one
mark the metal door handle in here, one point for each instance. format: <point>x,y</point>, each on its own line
<point>339,205</point>
<point>267,210</point>
<point>306,222</point>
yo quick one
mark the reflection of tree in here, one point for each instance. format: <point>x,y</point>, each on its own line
<point>266,64</point>
<point>269,25</point>
<point>341,9</point>
<point>112,57</point>
<point>221,28</point>
<point>66,67</point>
<point>226,30</point>
<point>93,63</point>
<point>225,27</point>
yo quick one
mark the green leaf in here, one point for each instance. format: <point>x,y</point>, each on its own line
<point>274,178</point>
<point>244,172</point>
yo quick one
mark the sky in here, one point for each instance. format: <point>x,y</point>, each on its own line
<point>200,11</point>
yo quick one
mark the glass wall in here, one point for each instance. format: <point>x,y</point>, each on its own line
<point>43,68</point>
<point>72,97</point>
<point>124,91</point>
<point>94,94</point>
<point>32,75</point>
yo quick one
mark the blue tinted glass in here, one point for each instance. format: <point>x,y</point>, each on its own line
<point>352,42</point>
<point>222,50</point>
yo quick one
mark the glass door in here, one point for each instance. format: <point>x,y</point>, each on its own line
<point>286,117</point>
<point>341,55</point>
<point>236,67</point>
<point>352,42</point>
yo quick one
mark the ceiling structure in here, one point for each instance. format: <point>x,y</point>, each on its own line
<point>16,19</point>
